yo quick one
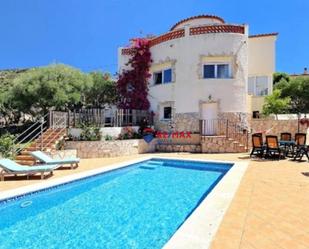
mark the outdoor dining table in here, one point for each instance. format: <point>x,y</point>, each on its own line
<point>288,147</point>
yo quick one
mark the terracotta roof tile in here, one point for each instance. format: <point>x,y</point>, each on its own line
<point>263,35</point>
<point>197,17</point>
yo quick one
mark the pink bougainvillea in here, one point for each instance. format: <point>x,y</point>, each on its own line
<point>132,84</point>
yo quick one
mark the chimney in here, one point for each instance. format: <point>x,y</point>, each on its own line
<point>305,70</point>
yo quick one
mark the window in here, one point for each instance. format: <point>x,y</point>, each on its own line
<point>209,71</point>
<point>167,112</point>
<point>258,85</point>
<point>251,84</point>
<point>162,77</point>
<point>216,71</point>
<point>223,71</point>
<point>261,86</point>
<point>157,78</point>
<point>167,75</point>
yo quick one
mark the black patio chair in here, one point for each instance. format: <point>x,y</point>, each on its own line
<point>286,143</point>
<point>300,148</point>
<point>272,147</point>
<point>257,145</point>
<point>285,136</point>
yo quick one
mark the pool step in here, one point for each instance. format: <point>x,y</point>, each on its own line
<point>158,163</point>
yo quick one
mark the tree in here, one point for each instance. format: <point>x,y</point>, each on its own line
<point>132,85</point>
<point>298,91</point>
<point>103,91</point>
<point>8,113</point>
<point>274,104</point>
<point>53,87</point>
<point>277,77</point>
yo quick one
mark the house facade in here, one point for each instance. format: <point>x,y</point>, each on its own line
<point>207,69</point>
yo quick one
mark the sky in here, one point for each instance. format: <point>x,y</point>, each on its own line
<point>86,33</point>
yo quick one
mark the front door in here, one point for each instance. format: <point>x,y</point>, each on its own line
<point>210,116</point>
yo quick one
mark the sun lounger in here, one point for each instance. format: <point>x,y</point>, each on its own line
<point>9,167</point>
<point>44,158</point>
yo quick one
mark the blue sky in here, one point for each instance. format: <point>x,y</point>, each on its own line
<point>87,33</point>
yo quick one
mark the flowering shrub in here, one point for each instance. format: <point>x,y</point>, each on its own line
<point>148,131</point>
<point>132,85</point>
<point>129,133</point>
<point>304,121</point>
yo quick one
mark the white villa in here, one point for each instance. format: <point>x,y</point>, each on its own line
<point>205,68</point>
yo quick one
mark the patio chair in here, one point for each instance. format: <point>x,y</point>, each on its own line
<point>286,143</point>
<point>285,136</point>
<point>257,145</point>
<point>272,147</point>
<point>9,167</point>
<point>44,158</point>
<point>300,148</point>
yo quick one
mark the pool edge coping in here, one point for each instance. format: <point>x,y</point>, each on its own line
<point>199,230</point>
<point>192,231</point>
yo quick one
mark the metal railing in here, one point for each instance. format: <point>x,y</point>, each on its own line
<point>36,131</point>
<point>59,126</point>
<point>100,117</point>
<point>226,128</point>
<point>29,135</point>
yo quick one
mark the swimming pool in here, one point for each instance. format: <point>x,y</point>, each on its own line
<point>138,206</point>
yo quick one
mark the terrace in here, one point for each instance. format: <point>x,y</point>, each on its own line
<point>269,209</point>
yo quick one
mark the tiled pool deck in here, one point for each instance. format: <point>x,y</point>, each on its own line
<point>270,208</point>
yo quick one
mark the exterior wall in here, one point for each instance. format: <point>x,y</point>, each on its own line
<point>255,103</point>
<point>262,54</point>
<point>189,53</point>
<point>192,148</point>
<point>195,139</point>
<point>99,149</point>
<point>217,144</point>
<point>114,132</point>
<point>275,127</point>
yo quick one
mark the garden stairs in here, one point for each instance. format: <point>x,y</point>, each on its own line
<point>46,142</point>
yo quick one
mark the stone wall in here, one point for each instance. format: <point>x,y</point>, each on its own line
<point>194,139</point>
<point>192,148</point>
<point>187,122</point>
<point>239,118</point>
<point>219,144</point>
<point>275,127</point>
<point>59,154</point>
<point>180,122</point>
<point>99,149</point>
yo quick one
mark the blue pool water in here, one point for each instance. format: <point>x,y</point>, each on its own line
<point>139,206</point>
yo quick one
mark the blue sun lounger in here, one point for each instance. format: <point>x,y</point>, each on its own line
<point>44,158</point>
<point>9,167</point>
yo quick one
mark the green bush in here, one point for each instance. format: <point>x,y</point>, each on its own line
<point>108,138</point>
<point>7,146</point>
<point>90,133</point>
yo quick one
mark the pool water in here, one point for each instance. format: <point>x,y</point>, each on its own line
<point>139,206</point>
